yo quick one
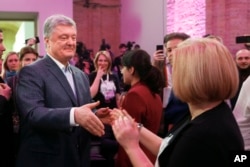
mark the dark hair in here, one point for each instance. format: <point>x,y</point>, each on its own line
<point>25,50</point>
<point>148,74</point>
<point>122,45</point>
<point>137,46</point>
<point>175,35</point>
<point>82,50</point>
<point>1,30</point>
<point>108,46</point>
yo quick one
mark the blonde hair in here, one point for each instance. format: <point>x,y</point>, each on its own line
<point>107,55</point>
<point>5,65</point>
<point>203,71</point>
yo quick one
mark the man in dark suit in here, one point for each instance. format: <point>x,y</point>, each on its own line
<point>174,109</point>
<point>54,103</point>
<point>6,126</point>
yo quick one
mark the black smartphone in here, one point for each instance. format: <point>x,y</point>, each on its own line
<point>37,39</point>
<point>159,47</point>
<point>243,39</point>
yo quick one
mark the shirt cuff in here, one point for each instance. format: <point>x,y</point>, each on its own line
<point>72,117</point>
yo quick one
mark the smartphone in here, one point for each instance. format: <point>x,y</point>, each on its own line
<point>37,39</point>
<point>159,47</point>
<point>243,39</point>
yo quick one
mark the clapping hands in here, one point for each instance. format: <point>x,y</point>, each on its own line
<point>125,129</point>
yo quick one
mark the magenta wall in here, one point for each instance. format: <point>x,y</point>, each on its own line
<point>44,9</point>
<point>143,21</point>
<point>224,18</point>
<point>187,16</point>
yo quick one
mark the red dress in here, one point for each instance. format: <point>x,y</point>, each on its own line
<point>146,108</point>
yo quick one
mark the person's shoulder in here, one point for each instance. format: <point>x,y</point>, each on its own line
<point>140,87</point>
<point>75,69</point>
<point>78,71</point>
<point>35,66</point>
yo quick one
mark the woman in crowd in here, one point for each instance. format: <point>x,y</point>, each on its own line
<point>10,65</point>
<point>142,101</point>
<point>104,85</point>
<point>204,75</point>
<point>104,88</point>
<point>27,55</point>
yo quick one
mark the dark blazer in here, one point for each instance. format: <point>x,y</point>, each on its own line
<point>174,112</point>
<point>205,141</point>
<point>6,131</point>
<point>44,99</point>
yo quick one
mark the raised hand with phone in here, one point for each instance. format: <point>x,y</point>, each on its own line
<point>159,60</point>
<point>159,53</point>
<point>32,41</point>
<point>172,106</point>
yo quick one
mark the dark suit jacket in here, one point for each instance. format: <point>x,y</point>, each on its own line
<point>44,99</point>
<point>6,131</point>
<point>174,112</point>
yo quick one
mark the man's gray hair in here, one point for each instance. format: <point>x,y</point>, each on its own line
<point>55,20</point>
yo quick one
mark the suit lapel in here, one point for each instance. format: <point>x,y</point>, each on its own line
<point>60,77</point>
<point>77,79</point>
<point>81,86</point>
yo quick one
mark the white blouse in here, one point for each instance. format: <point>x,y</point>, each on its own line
<point>242,112</point>
<point>164,144</point>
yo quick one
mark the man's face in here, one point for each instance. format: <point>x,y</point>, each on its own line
<point>62,43</point>
<point>123,50</point>
<point>2,47</point>
<point>243,59</point>
<point>170,46</point>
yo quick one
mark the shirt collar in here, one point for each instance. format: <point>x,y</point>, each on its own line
<point>60,65</point>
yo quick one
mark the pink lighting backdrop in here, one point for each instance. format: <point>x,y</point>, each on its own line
<point>187,16</point>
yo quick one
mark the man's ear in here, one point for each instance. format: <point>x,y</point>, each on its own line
<point>46,41</point>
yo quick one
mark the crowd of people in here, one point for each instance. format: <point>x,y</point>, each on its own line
<point>73,107</point>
